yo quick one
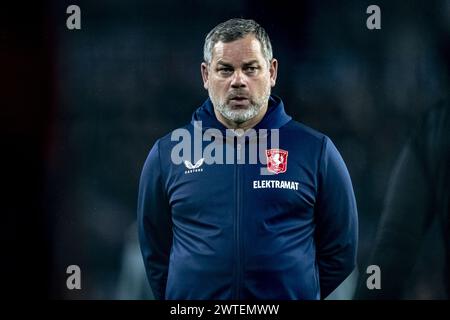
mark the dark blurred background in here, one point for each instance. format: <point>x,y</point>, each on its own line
<point>84,107</point>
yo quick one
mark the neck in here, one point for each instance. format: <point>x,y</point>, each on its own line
<point>242,125</point>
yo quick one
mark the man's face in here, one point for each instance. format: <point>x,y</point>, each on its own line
<point>239,79</point>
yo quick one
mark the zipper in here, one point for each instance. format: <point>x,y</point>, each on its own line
<point>238,273</point>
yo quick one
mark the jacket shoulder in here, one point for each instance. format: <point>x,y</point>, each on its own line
<point>166,140</point>
<point>299,129</point>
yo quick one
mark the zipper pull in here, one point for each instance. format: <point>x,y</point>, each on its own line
<point>238,151</point>
<point>239,133</point>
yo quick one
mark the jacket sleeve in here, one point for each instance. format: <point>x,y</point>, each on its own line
<point>336,220</point>
<point>154,224</point>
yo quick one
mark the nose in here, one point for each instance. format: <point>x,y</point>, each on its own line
<point>238,80</point>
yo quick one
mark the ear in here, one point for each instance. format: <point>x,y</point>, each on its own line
<point>205,74</point>
<point>273,69</point>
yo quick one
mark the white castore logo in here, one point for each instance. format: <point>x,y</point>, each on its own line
<point>193,167</point>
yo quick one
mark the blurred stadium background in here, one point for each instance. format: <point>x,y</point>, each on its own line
<point>102,95</point>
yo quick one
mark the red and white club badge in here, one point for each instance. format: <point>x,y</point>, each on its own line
<point>276,160</point>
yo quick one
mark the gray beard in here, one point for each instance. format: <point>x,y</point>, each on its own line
<point>241,116</point>
<point>238,116</point>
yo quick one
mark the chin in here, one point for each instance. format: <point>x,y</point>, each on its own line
<point>241,117</point>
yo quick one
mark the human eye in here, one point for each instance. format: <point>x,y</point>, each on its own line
<point>251,69</point>
<point>225,71</point>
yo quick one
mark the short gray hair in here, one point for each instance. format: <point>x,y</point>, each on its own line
<point>235,29</point>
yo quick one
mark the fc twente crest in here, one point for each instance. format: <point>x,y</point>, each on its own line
<point>276,160</point>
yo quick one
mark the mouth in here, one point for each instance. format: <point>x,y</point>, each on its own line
<point>239,98</point>
<point>239,101</point>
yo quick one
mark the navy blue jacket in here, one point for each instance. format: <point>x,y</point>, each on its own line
<point>227,231</point>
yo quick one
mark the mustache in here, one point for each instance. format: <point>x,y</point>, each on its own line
<point>238,94</point>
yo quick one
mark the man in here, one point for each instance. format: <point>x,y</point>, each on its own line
<point>284,228</point>
<point>418,195</point>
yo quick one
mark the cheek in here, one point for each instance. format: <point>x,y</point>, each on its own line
<point>218,86</point>
<point>261,86</point>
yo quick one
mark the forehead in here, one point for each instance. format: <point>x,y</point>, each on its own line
<point>245,49</point>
